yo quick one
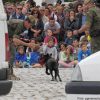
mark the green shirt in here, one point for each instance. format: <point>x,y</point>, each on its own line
<point>93,18</point>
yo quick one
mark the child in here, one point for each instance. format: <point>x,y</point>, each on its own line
<point>84,52</point>
<point>69,61</point>
<point>75,48</point>
<point>49,34</point>
<point>20,57</point>
<point>62,55</point>
<point>69,38</point>
<point>50,48</point>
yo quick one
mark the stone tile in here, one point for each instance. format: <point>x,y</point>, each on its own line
<point>36,85</point>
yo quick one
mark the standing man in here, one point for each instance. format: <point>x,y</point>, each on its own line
<point>93,23</point>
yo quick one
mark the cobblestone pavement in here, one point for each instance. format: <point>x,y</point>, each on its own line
<point>36,85</point>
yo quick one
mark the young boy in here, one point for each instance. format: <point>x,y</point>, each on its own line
<point>84,52</point>
<point>76,48</point>
<point>20,57</point>
<point>69,38</point>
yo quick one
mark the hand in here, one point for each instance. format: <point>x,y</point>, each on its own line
<point>31,45</point>
<point>75,32</point>
<point>35,34</point>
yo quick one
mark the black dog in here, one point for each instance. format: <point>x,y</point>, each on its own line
<point>51,65</point>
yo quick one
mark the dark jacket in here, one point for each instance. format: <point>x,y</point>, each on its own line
<point>21,16</point>
<point>68,25</point>
<point>20,58</point>
<point>79,16</point>
<point>39,25</point>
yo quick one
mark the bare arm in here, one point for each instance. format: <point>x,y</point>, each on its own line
<point>84,28</point>
<point>20,42</point>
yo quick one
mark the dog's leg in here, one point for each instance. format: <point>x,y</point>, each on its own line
<point>51,72</point>
<point>56,75</point>
<point>59,76</point>
<point>47,70</point>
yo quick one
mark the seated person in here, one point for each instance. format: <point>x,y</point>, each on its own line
<point>49,35</point>
<point>84,52</point>
<point>50,48</point>
<point>20,57</point>
<point>62,55</point>
<point>69,37</point>
<point>68,58</point>
<point>34,58</point>
<point>76,48</point>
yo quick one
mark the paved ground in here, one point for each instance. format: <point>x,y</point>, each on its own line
<point>36,85</point>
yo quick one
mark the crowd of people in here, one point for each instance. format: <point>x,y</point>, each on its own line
<point>53,27</point>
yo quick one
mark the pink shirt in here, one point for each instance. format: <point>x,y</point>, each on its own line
<point>47,38</point>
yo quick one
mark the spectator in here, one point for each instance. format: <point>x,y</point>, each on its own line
<point>51,49</point>
<point>49,35</point>
<point>34,59</point>
<point>10,9</point>
<point>59,2</point>
<point>26,8</point>
<point>60,20</point>
<point>69,39</point>
<point>31,2</point>
<point>60,15</point>
<point>79,13</point>
<point>54,13</point>
<point>72,22</point>
<point>49,23</point>
<point>38,27</point>
<point>42,12</point>
<point>69,59</point>
<point>66,14</point>
<point>62,55</point>
<point>84,52</point>
<point>76,48</point>
<point>20,57</point>
<point>79,8</point>
<point>47,12</point>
